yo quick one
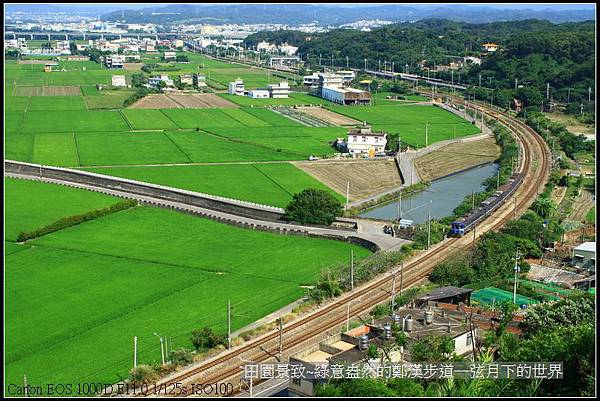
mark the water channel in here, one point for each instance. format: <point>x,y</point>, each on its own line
<point>440,199</point>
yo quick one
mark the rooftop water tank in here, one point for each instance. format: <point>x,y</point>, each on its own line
<point>429,317</point>
<point>363,342</point>
<point>408,323</point>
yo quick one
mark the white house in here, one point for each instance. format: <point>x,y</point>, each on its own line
<point>114,61</point>
<point>170,55</point>
<point>345,95</point>
<point>280,90</point>
<point>584,256</point>
<point>265,46</point>
<point>288,49</point>
<point>119,81</point>
<point>259,94</point>
<point>236,87</point>
<point>363,141</point>
<point>200,81</point>
<point>153,81</point>
<point>489,47</point>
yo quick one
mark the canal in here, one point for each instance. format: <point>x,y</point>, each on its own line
<point>440,199</point>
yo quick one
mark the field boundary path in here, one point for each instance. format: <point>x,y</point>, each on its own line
<point>229,211</point>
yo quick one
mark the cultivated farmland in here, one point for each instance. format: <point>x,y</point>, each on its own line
<point>112,256</point>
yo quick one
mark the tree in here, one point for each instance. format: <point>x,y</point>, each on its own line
<point>432,349</point>
<point>544,206</point>
<point>142,374</point>
<point>372,352</point>
<point>313,206</point>
<point>205,339</point>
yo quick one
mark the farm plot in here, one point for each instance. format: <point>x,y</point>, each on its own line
<point>28,204</point>
<point>52,103</point>
<point>328,115</point>
<point>303,141</point>
<point>201,101</point>
<point>202,118</point>
<point>18,146</point>
<point>456,157</point>
<point>155,101</point>
<point>148,119</point>
<point>214,264</point>
<point>55,150</point>
<point>47,91</point>
<point>203,147</point>
<point>118,148</point>
<point>74,121</point>
<point>360,173</point>
<point>272,118</point>
<point>106,99</point>
<point>253,77</point>
<point>270,183</point>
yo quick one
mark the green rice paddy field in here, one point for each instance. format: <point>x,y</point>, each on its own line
<point>76,298</point>
<point>278,182</point>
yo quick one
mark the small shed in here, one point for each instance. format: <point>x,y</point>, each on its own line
<point>448,295</point>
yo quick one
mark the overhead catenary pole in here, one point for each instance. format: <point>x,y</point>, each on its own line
<point>228,324</point>
<point>280,321</point>
<point>135,340</point>
<point>429,225</point>
<point>401,276</point>
<point>473,199</point>
<point>347,194</point>
<point>516,271</point>
<point>351,269</point>
<point>348,318</point>
<point>393,290</point>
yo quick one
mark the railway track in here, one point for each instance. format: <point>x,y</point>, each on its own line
<point>535,166</point>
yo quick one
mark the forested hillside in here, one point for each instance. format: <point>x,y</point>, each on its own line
<point>532,51</point>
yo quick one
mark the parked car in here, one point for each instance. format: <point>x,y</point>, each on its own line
<point>313,158</point>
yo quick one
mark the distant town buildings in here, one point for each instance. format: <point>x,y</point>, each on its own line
<point>119,81</point>
<point>114,61</point>
<point>280,90</point>
<point>489,47</point>
<point>236,87</point>
<point>154,82</point>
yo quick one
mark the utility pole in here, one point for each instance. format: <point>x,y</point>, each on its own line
<point>480,80</point>
<point>516,82</point>
<point>135,351</point>
<point>547,90</point>
<point>365,64</point>
<point>228,324</point>
<point>400,205</point>
<point>473,200</point>
<point>347,62</point>
<point>569,95</point>
<point>351,269</point>
<point>429,226</point>
<point>162,351</point>
<point>347,194</point>
<point>474,233</point>
<point>589,94</point>
<point>516,271</point>
<point>426,134</point>
<point>515,209</point>
<point>25,387</point>
<point>498,180</point>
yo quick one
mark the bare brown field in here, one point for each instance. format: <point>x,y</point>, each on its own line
<point>573,125</point>
<point>33,61</point>
<point>47,91</point>
<point>327,115</point>
<point>366,177</point>
<point>456,157</point>
<point>133,66</point>
<point>182,101</point>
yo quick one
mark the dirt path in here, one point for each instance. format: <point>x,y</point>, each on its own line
<point>581,206</point>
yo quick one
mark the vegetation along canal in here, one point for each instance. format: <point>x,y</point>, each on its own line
<point>442,196</point>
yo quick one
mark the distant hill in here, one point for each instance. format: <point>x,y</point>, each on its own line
<point>331,15</point>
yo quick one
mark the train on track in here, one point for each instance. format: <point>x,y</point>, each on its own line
<point>461,226</point>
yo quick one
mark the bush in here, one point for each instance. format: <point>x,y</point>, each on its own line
<point>205,339</point>
<point>313,206</point>
<point>76,219</point>
<point>142,374</point>
<point>182,356</point>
